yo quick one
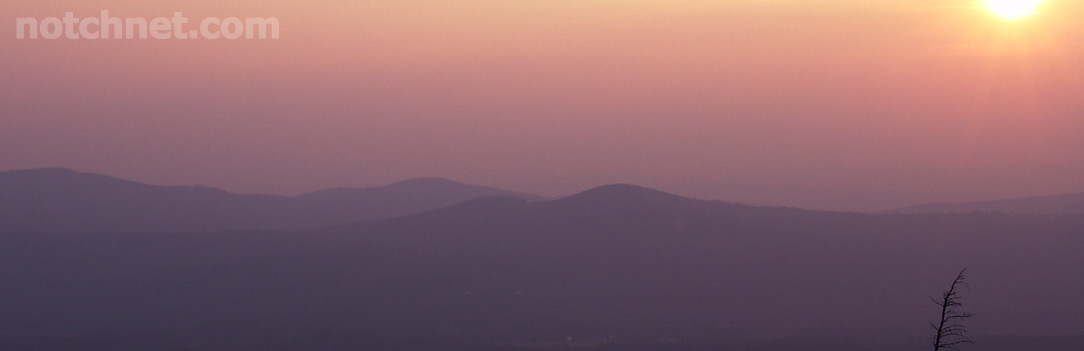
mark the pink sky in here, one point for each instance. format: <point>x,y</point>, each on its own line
<point>552,96</point>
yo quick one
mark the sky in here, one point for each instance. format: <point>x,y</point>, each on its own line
<point>770,101</point>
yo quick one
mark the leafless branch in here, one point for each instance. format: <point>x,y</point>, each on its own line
<point>950,331</point>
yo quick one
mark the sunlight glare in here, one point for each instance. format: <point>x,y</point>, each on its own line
<point>1013,9</point>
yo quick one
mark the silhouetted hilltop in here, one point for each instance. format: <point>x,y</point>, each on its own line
<point>1056,204</point>
<point>623,192</point>
<point>432,188</point>
<point>63,200</point>
<point>63,181</point>
<point>401,198</point>
<point>619,195</point>
<point>634,264</point>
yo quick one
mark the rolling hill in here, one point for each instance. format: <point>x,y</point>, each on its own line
<point>62,200</point>
<point>616,267</point>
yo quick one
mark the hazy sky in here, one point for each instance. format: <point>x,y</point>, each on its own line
<point>547,96</point>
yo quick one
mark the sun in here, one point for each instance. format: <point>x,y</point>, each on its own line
<point>1013,9</point>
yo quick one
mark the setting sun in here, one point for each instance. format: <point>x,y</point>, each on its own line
<point>1013,9</point>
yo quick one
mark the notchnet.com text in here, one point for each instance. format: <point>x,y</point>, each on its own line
<point>106,26</point>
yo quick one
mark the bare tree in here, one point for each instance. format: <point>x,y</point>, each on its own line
<point>951,331</point>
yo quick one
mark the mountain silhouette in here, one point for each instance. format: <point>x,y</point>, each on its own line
<point>621,262</point>
<point>616,195</point>
<point>63,200</point>
<point>1056,204</point>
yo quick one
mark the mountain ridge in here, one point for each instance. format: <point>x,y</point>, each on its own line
<point>646,266</point>
<point>1071,203</point>
<point>65,200</point>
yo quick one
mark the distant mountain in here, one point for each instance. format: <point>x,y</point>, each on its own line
<point>879,190</point>
<point>63,200</point>
<point>620,265</point>
<point>1058,204</point>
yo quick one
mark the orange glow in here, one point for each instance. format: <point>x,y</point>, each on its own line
<point>726,87</point>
